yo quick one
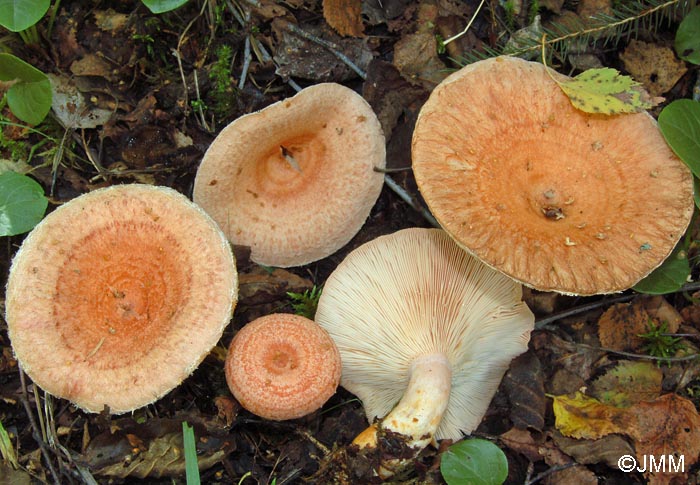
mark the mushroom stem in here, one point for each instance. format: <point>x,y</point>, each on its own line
<point>418,414</point>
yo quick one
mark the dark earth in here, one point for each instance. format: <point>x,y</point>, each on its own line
<point>172,82</point>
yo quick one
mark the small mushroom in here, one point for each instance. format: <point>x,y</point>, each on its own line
<point>559,199</point>
<point>296,180</point>
<point>420,322</point>
<point>282,366</point>
<point>117,296</point>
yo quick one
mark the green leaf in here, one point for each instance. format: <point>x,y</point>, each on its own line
<point>680,124</point>
<point>669,277</point>
<point>606,91</point>
<point>474,462</point>
<point>191,465</point>
<point>688,37</point>
<point>29,96</point>
<point>22,203</point>
<point>162,6</point>
<point>17,15</point>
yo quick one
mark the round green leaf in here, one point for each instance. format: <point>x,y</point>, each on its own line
<point>680,124</point>
<point>22,203</point>
<point>162,6</point>
<point>474,462</point>
<point>16,15</point>
<point>688,37</point>
<point>668,277</point>
<point>29,96</point>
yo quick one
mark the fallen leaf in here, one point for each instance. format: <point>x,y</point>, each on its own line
<point>523,383</point>
<point>580,475</point>
<point>416,58</point>
<point>607,449</point>
<point>606,91</point>
<point>655,66</point>
<point>584,417</point>
<point>91,65</point>
<point>153,449</point>
<point>669,424</point>
<point>521,441</point>
<point>620,326</point>
<point>70,107</point>
<point>344,16</point>
<point>628,383</point>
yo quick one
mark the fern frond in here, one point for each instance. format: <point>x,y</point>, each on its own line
<point>608,29</point>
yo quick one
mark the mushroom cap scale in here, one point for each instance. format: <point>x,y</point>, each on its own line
<point>296,180</point>
<point>558,199</point>
<point>117,296</point>
<point>415,293</point>
<point>282,366</point>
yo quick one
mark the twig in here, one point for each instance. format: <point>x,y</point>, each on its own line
<point>543,322</point>
<point>330,46</point>
<point>35,431</point>
<point>640,356</point>
<point>549,471</point>
<point>406,197</point>
<point>466,29</point>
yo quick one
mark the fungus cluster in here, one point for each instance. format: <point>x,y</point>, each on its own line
<point>116,296</point>
<point>556,198</point>
<point>296,180</point>
<point>421,323</point>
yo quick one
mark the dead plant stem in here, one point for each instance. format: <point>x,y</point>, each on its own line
<point>35,430</point>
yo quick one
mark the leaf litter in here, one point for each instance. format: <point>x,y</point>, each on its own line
<point>133,114</point>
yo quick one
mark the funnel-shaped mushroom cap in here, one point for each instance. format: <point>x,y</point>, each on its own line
<point>295,181</point>
<point>117,296</point>
<point>556,198</point>
<point>414,293</point>
<point>282,366</point>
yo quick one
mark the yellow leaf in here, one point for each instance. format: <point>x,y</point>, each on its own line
<point>585,417</point>
<point>606,91</point>
<point>628,383</point>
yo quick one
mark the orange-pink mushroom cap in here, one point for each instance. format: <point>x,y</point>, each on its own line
<point>117,296</point>
<point>296,180</point>
<point>558,199</point>
<point>282,366</point>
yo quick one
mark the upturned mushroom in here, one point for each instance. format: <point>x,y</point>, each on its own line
<point>556,198</point>
<point>117,296</point>
<point>420,322</point>
<point>282,366</point>
<point>296,180</point>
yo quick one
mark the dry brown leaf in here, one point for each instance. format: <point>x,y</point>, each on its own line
<point>607,449</point>
<point>620,326</point>
<point>656,67</point>
<point>344,16</point>
<point>667,425</point>
<point>524,386</point>
<point>628,383</point>
<point>416,58</point>
<point>580,475</point>
<point>662,311</point>
<point>521,441</point>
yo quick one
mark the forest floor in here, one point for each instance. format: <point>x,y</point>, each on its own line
<point>172,81</point>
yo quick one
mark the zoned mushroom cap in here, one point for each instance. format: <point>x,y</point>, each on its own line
<point>117,296</point>
<point>556,198</point>
<point>282,366</point>
<point>295,181</point>
<point>414,293</point>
